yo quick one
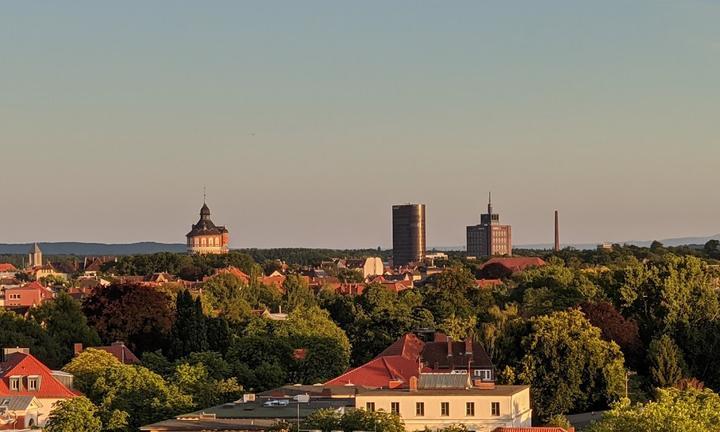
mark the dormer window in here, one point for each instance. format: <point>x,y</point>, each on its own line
<point>33,383</point>
<point>15,383</point>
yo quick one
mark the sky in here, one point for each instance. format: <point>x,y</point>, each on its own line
<point>306,121</point>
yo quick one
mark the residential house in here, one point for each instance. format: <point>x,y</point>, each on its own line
<point>21,374</point>
<point>438,400</point>
<point>118,349</point>
<point>410,355</point>
<point>19,412</point>
<point>27,296</point>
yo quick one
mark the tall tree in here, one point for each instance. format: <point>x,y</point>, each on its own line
<point>189,330</point>
<point>74,415</point>
<point>673,411</point>
<point>17,331</point>
<point>65,322</point>
<point>665,361</point>
<point>140,316</point>
<point>569,366</point>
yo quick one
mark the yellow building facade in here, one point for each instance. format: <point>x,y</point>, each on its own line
<point>480,410</point>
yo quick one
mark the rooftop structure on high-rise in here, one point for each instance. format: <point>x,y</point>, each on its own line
<point>489,238</point>
<point>408,234</point>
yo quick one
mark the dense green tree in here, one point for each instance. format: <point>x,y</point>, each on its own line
<point>449,293</point>
<point>218,334</point>
<point>569,366</point>
<point>502,334</point>
<point>553,287</point>
<point>325,420</point>
<point>140,316</point>
<point>224,294</point>
<point>673,411</point>
<point>18,332</point>
<point>144,395</point>
<point>297,293</point>
<point>616,328</point>
<point>74,415</point>
<point>205,390</point>
<point>380,421</point>
<point>88,366</point>
<point>666,363</point>
<point>664,295</point>
<point>216,365</point>
<point>189,330</point>
<point>458,328</point>
<point>65,322</point>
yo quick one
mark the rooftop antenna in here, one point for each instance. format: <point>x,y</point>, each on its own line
<point>204,195</point>
<point>490,203</point>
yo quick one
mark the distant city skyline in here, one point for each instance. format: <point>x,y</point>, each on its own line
<point>308,121</point>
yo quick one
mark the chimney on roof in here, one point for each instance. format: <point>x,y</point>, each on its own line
<point>557,232</point>
<point>413,383</point>
<point>449,347</point>
<point>77,348</point>
<point>7,351</point>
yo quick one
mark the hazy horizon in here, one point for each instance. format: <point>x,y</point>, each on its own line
<point>307,121</point>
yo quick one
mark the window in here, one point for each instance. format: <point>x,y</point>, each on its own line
<point>15,383</point>
<point>33,383</point>
<point>496,409</point>
<point>483,374</point>
<point>444,409</point>
<point>420,409</point>
<point>395,407</point>
<point>370,407</point>
<point>470,409</point>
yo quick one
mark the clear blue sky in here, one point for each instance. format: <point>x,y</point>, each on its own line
<point>308,120</point>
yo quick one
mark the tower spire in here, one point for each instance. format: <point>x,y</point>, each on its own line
<point>490,203</point>
<point>557,232</point>
<point>204,195</point>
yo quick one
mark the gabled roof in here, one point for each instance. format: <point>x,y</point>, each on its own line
<point>18,403</point>
<point>120,352</point>
<point>7,267</point>
<point>408,357</point>
<point>24,365</point>
<point>233,271</point>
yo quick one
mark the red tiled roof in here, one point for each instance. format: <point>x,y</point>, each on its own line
<point>403,359</point>
<point>515,264</point>
<point>121,352</point>
<point>24,365</point>
<point>235,272</point>
<point>7,267</point>
<point>488,283</point>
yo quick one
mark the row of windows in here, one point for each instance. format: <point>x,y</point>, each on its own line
<point>212,241</point>
<point>33,383</point>
<point>444,408</point>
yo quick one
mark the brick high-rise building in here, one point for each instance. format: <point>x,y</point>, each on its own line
<point>490,238</point>
<point>408,234</point>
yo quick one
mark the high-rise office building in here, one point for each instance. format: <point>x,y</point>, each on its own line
<point>408,234</point>
<point>490,238</point>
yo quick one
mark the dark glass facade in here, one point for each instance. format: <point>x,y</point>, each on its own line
<point>408,234</point>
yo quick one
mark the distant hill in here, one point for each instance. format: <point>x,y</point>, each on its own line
<point>680,241</point>
<point>93,249</point>
<point>99,249</point>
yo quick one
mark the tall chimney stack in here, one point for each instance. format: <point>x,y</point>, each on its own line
<point>557,232</point>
